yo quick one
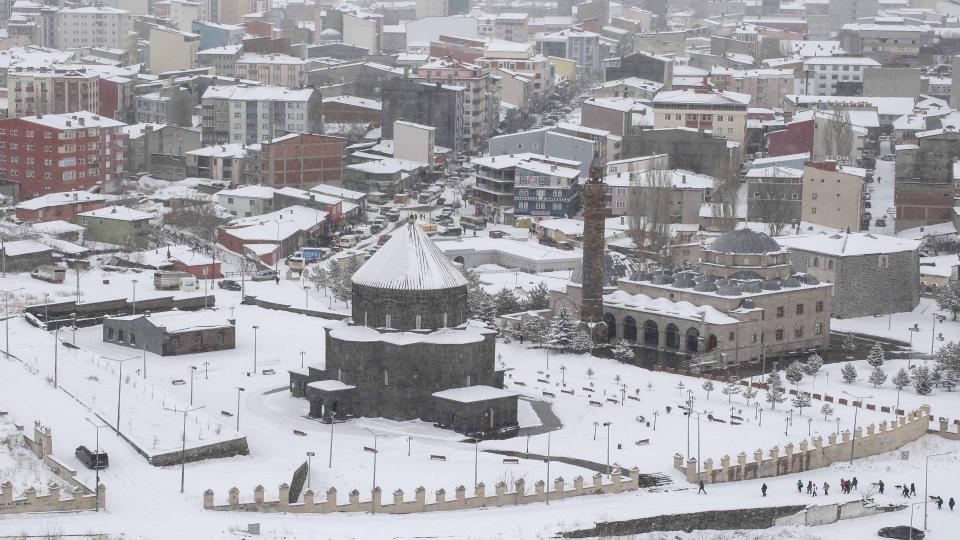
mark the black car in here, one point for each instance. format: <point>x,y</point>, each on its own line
<point>229,285</point>
<point>92,460</point>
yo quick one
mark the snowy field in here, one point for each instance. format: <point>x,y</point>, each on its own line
<point>20,466</point>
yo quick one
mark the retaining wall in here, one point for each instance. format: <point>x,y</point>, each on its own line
<point>254,301</point>
<point>831,513</point>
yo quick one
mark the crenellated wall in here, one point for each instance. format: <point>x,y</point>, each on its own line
<point>440,503</point>
<point>804,457</point>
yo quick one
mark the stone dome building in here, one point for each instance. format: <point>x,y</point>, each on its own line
<point>745,254</point>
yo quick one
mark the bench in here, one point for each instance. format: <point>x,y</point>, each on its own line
<point>299,433</point>
<point>587,388</point>
<point>612,400</point>
<point>596,403</point>
<point>226,413</point>
<point>543,381</point>
<point>178,382</point>
<point>511,461</point>
<point>268,372</point>
<point>733,423</point>
<point>734,417</point>
<point>549,394</point>
<point>519,383</point>
<point>435,457</point>
<point>570,391</point>
<point>635,398</point>
<point>643,442</point>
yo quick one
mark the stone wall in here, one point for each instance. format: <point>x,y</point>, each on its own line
<point>831,513</point>
<point>803,457</point>
<point>732,519</point>
<point>253,300</point>
<point>400,505</point>
<point>233,447</point>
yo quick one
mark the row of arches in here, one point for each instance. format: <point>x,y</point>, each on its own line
<point>649,332</point>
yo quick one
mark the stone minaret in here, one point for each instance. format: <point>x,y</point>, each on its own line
<point>594,214</point>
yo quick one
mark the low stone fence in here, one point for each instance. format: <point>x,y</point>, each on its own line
<point>222,449</point>
<point>832,513</point>
<point>886,438</point>
<point>460,501</point>
<point>81,497</point>
<point>254,301</point>
<point>944,430</point>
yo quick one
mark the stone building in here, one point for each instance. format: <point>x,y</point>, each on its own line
<point>743,303</point>
<point>171,333</point>
<point>409,351</point>
<point>860,265</point>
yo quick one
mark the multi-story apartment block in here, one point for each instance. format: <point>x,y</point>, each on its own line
<point>511,27</point>
<point>581,46</point>
<point>301,160</point>
<point>833,195</point>
<point>821,74</point>
<point>272,69</point>
<point>61,152</point>
<point>723,113</point>
<point>766,87</point>
<point>432,104</point>
<point>251,114</point>
<point>34,22</point>
<point>684,192</point>
<point>172,50</point>
<point>51,91</point>
<point>95,26</point>
<point>889,44</point>
<point>546,189</point>
<point>481,104</point>
<point>223,59</point>
<point>520,58</point>
<point>774,194</point>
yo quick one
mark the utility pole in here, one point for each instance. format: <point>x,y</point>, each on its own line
<point>183,444</point>
<point>309,459</point>
<point>302,353</point>
<point>239,390</point>
<point>373,489</point>
<point>330,464</point>
<point>96,489</point>
<point>56,357</point>
<point>853,435</point>
<point>606,425</point>
<point>6,310</point>
<point>134,303</point>
<point>193,375</point>
<point>119,386</point>
<point>255,328</point>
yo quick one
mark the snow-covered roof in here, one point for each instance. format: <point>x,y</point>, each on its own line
<point>119,213</point>
<point>339,192</point>
<point>251,192</point>
<point>409,261</point>
<point>74,120</point>
<point>258,93</point>
<point>549,169</point>
<point>273,58</point>
<point>665,306</point>
<point>473,394</point>
<point>775,171</point>
<point>702,98</point>
<point>330,386</point>
<point>679,178</point>
<point>58,199</point>
<point>354,101</point>
<point>841,61</point>
<point>445,336</point>
<point>220,151</point>
<point>181,321</point>
<point>24,247</point>
<point>520,250</point>
<point>852,244</point>
<point>56,227</point>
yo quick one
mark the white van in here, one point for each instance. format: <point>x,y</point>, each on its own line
<point>348,241</point>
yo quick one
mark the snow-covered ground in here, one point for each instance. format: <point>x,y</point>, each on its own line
<point>897,326</point>
<point>20,466</point>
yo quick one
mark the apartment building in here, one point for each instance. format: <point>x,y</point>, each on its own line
<point>821,74</point>
<point>251,114</point>
<point>722,112</point>
<point>51,91</point>
<point>481,103</point>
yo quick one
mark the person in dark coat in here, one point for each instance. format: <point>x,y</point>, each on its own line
<point>880,483</point>
<point>952,503</point>
<point>809,487</point>
<point>939,503</point>
<point>913,489</point>
<point>799,486</point>
<point>826,489</point>
<point>763,489</point>
<point>701,490</point>
<point>854,482</point>
<point>906,492</point>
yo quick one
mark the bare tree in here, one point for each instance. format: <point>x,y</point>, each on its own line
<point>649,211</point>
<point>198,216</point>
<point>724,198</point>
<point>768,197</point>
<point>838,136</point>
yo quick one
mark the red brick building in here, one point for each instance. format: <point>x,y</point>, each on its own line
<point>350,110</point>
<point>797,138</point>
<point>61,152</point>
<point>59,206</point>
<point>302,160</point>
<point>459,48</point>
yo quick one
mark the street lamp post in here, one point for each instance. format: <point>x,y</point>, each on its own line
<point>332,415</point>
<point>926,475</point>
<point>306,297</point>
<point>563,375</point>
<point>96,489</point>
<point>476,458</point>
<point>6,314</point>
<point>239,390</point>
<point>255,328</point>
<point>936,318</point>
<point>606,425</point>
<point>183,443</point>
<point>913,330</point>
<point>309,458</point>
<point>853,438</point>
<point>373,489</point>
<point>302,354</point>
<point>134,302</point>
<point>120,386</point>
<point>193,375</point>
<point>56,357</point>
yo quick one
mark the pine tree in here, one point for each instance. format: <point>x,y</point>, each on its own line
<point>922,380</point>
<point>774,380</point>
<point>848,372</point>
<point>949,298</point>
<point>749,393</point>
<point>537,298</point>
<point>708,387</point>
<point>486,311</point>
<point>794,373</point>
<point>849,344</point>
<point>826,411</point>
<point>901,379</point>
<point>774,396</point>
<point>506,302</point>
<point>582,342</point>
<point>321,279</point>
<point>878,376</point>
<point>948,360</point>
<point>876,358</point>
<point>813,364</point>
<point>562,327</point>
<point>730,389</point>
<point>949,380</point>
<point>334,277</point>
<point>801,401</point>
<point>623,351</point>
<point>536,329</point>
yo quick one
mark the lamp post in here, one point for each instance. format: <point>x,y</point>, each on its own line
<point>96,489</point>
<point>809,426</point>
<point>239,390</point>
<point>302,353</point>
<point>476,458</point>
<point>306,297</point>
<point>853,439</point>
<point>936,318</point>
<point>547,490</point>
<point>193,374</point>
<point>56,357</point>
<point>655,414</point>
<point>912,506</point>
<point>563,375</point>
<point>595,424</point>
<point>134,302</point>
<point>373,489</point>
<point>183,444</point>
<point>120,386</point>
<point>46,302</point>
<point>6,312</point>
<point>332,415</point>
<point>255,328</point>
<point>606,425</point>
<point>309,458</point>
<point>926,475</point>
<point>913,330</point>
<point>144,361</point>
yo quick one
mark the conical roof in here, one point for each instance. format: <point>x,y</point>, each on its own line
<point>409,261</point>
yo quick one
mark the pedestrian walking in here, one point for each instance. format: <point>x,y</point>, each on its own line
<point>814,490</point>
<point>951,503</point>
<point>906,492</point>
<point>277,278</point>
<point>799,486</point>
<point>701,490</point>
<point>913,489</point>
<point>939,503</point>
<point>809,487</point>
<point>880,483</point>
<point>854,482</point>
<point>826,489</point>
<point>763,490</point>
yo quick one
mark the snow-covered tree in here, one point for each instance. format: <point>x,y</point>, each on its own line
<point>730,389</point>
<point>623,351</point>
<point>582,342</point>
<point>922,380</point>
<point>901,379</point>
<point>950,380</point>
<point>876,357</point>
<point>949,298</point>
<point>826,411</point>
<point>749,393</point>
<point>948,359</point>
<point>813,364</point>
<point>878,376</point>
<point>334,277</point>
<point>849,344</point>
<point>479,303</point>
<point>505,302</point>
<point>848,372</point>
<point>801,401</point>
<point>708,387</point>
<point>774,379</point>
<point>774,396</point>
<point>537,298</point>
<point>562,328</point>
<point>484,309</point>
<point>321,279</point>
<point>794,373</point>
<point>589,373</point>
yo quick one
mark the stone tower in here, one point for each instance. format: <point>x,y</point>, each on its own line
<point>594,214</point>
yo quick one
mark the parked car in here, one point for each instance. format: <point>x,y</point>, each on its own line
<point>264,275</point>
<point>229,285</point>
<point>92,460</point>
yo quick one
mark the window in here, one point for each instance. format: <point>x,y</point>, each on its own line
<point>732,337</point>
<point>133,338</point>
<point>779,312</point>
<point>779,334</point>
<point>813,196</point>
<point>220,338</point>
<point>386,378</point>
<point>818,328</point>
<point>799,309</point>
<point>386,320</point>
<point>884,261</point>
<point>419,320</point>
<point>830,264</point>
<point>110,334</point>
<point>120,336</point>
<point>798,331</point>
<point>816,262</point>
<point>819,308</point>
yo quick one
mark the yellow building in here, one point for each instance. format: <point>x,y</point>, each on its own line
<point>563,67</point>
<point>832,195</point>
<point>172,50</point>
<point>723,113</point>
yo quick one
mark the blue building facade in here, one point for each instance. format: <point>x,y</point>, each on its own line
<point>546,189</point>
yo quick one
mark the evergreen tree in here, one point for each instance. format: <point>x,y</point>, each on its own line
<point>506,302</point>
<point>537,298</point>
<point>901,379</point>
<point>486,311</point>
<point>848,372</point>
<point>334,277</point>
<point>949,380</point>
<point>878,376</point>
<point>794,373</point>
<point>813,364</point>
<point>730,389</point>
<point>774,380</point>
<point>922,380</point>
<point>536,329</point>
<point>801,401</point>
<point>948,359</point>
<point>876,357</point>
<point>949,298</point>
<point>582,342</point>
<point>623,351</point>
<point>749,393</point>
<point>826,411</point>
<point>562,328</point>
<point>849,344</point>
<point>321,279</point>
<point>774,396</point>
<point>708,387</point>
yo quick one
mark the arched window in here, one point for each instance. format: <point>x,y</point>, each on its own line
<point>693,340</point>
<point>651,334</point>
<point>444,319</point>
<point>798,331</point>
<point>630,329</point>
<point>611,323</point>
<point>673,337</point>
<point>419,320</point>
<point>818,327</point>
<point>712,342</point>
<point>386,320</point>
